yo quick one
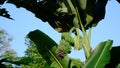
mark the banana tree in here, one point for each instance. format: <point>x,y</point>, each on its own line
<point>69,17</point>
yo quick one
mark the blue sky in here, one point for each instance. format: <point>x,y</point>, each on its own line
<point>25,21</point>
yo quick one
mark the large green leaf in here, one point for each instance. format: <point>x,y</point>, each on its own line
<point>45,45</point>
<point>100,56</point>
<point>65,62</point>
<point>47,48</point>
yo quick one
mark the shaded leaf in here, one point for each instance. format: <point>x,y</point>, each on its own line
<point>118,1</point>
<point>100,56</point>
<point>115,57</point>
<point>90,6</point>
<point>3,66</point>
<point>25,60</point>
<point>4,13</point>
<point>46,47</point>
<point>98,13</point>
<point>61,15</point>
<point>80,9</point>
<point>46,11</point>
<point>2,1</point>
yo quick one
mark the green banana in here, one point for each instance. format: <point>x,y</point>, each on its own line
<point>64,47</point>
<point>67,37</point>
<point>82,4</point>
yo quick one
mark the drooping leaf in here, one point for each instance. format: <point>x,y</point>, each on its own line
<point>98,13</point>
<point>115,57</point>
<point>100,56</point>
<point>46,47</point>
<point>46,10</point>
<point>61,15</point>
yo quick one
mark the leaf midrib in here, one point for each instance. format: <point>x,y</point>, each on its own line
<point>101,54</point>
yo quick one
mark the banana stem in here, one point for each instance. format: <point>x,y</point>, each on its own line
<point>86,45</point>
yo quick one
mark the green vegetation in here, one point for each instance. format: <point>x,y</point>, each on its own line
<point>67,17</point>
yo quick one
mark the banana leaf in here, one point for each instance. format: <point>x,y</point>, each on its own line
<point>2,1</point>
<point>118,1</point>
<point>115,57</point>
<point>90,12</point>
<point>47,48</point>
<point>98,11</point>
<point>100,56</point>
<point>4,13</point>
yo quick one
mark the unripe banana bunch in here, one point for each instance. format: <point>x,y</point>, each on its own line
<point>67,41</point>
<point>63,49</point>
